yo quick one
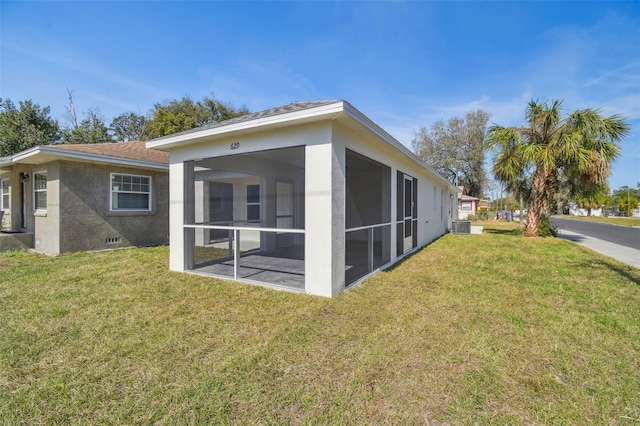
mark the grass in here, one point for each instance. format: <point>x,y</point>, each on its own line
<point>623,221</point>
<point>483,329</point>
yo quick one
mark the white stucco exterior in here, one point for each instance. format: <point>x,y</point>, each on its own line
<point>330,133</point>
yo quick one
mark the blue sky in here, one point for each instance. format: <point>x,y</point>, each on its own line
<point>403,64</point>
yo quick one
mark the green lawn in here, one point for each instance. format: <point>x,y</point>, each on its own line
<point>488,329</point>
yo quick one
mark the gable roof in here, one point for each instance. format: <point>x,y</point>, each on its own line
<point>268,113</point>
<point>295,113</point>
<point>133,154</point>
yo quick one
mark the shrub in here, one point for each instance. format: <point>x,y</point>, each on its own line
<point>483,214</point>
<point>547,229</point>
<point>471,217</point>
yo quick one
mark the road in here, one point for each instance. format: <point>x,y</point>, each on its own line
<point>622,235</point>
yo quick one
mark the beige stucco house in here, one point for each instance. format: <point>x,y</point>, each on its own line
<point>66,198</point>
<point>310,197</point>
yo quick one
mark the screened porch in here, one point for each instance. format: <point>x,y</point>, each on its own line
<point>246,217</point>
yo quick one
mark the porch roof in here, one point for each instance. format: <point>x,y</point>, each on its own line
<point>288,115</point>
<point>133,154</point>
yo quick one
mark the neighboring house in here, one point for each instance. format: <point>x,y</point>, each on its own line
<point>309,197</point>
<point>467,205</point>
<point>66,198</point>
<point>574,210</point>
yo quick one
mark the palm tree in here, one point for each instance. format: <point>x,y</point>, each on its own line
<point>580,146</point>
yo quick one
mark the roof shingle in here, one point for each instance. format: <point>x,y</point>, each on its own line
<point>134,150</point>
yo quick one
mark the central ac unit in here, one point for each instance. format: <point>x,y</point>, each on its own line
<point>461,227</point>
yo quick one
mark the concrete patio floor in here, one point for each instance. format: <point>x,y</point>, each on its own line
<point>282,267</point>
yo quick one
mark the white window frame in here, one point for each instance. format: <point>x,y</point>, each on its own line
<point>470,206</point>
<point>248,204</point>
<point>125,210</point>
<point>3,194</point>
<point>36,208</point>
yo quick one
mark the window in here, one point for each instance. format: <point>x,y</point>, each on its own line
<point>466,206</point>
<point>40,191</point>
<point>435,189</point>
<point>5,191</point>
<point>130,192</point>
<point>253,203</point>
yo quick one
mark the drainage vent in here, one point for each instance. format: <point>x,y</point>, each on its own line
<point>114,240</point>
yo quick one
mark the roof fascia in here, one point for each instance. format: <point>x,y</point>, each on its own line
<point>82,156</point>
<point>309,114</point>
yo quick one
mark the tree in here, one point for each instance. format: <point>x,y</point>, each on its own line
<point>129,127</point>
<point>184,114</point>
<point>626,206</point>
<point>91,129</point>
<point>581,146</point>
<point>25,127</point>
<point>627,199</point>
<point>625,191</point>
<point>592,198</point>
<point>456,150</point>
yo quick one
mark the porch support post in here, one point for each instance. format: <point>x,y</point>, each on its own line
<point>370,249</point>
<point>201,199</point>
<point>324,219</point>
<point>394,214</point>
<point>236,253</point>
<point>181,209</point>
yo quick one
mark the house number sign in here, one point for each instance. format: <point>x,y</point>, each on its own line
<point>235,145</point>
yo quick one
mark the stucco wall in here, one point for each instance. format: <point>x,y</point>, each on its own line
<point>46,224</point>
<point>85,220</point>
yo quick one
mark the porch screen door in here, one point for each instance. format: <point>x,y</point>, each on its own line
<point>407,213</point>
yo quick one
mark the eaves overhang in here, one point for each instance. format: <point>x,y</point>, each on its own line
<point>308,115</point>
<point>45,154</point>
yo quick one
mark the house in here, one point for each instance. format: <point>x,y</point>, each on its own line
<point>66,198</point>
<point>483,204</point>
<point>467,205</point>
<point>574,210</point>
<point>309,197</point>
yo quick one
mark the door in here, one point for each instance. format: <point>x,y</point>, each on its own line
<point>408,213</point>
<point>220,208</point>
<point>23,202</point>
<point>284,212</point>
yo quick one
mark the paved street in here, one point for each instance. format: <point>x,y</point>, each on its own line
<point>621,235</point>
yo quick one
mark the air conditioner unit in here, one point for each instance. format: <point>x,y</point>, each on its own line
<point>461,227</point>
